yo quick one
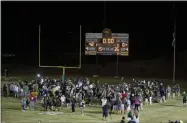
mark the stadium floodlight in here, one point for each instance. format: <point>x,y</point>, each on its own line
<point>63,67</point>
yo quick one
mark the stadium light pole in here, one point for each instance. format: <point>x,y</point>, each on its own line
<point>174,46</point>
<point>174,51</point>
<point>174,64</point>
<point>39,43</point>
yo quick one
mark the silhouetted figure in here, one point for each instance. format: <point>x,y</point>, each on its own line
<point>5,90</point>
<point>73,105</point>
<point>6,73</point>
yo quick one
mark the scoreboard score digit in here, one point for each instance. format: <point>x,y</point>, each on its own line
<point>107,43</point>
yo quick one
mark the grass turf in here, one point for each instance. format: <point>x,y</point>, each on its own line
<point>156,113</point>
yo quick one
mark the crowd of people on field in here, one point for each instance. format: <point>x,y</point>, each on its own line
<point>124,98</point>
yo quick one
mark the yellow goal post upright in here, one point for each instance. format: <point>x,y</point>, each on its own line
<point>63,67</point>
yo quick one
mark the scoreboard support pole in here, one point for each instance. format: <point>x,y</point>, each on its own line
<point>63,67</point>
<point>117,65</point>
<point>96,59</point>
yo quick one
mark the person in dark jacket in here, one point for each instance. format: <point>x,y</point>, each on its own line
<point>162,94</point>
<point>82,106</point>
<point>73,105</point>
<point>58,103</point>
<point>5,90</point>
<point>105,111</point>
<point>44,104</point>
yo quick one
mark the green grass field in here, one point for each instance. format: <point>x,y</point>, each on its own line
<point>156,113</point>
<point>11,113</point>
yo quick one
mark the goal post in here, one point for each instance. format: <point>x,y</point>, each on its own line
<point>62,67</point>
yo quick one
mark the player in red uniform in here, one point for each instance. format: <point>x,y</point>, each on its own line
<point>124,95</point>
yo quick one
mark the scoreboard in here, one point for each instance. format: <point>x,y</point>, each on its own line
<point>107,43</point>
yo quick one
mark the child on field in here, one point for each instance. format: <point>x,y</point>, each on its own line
<point>23,104</point>
<point>82,106</point>
<point>32,103</point>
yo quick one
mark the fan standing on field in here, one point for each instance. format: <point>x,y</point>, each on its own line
<point>82,106</point>
<point>185,99</point>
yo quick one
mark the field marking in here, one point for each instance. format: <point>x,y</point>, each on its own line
<point>51,113</point>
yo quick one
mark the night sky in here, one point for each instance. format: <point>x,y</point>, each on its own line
<point>149,24</point>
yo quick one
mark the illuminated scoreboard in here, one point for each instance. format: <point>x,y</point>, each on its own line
<point>107,43</point>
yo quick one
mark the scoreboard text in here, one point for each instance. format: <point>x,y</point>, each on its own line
<point>108,44</point>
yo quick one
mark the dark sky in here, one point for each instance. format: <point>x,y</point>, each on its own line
<point>149,24</point>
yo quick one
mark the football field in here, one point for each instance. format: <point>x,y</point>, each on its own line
<point>156,113</point>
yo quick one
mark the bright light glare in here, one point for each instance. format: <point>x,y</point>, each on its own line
<point>38,75</point>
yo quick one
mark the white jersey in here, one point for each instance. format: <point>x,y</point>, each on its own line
<point>104,101</point>
<point>137,120</point>
<point>91,86</point>
<point>45,87</point>
<point>82,104</point>
<point>42,80</point>
<point>62,99</point>
<point>11,87</point>
<point>58,87</point>
<point>128,102</point>
<point>80,83</point>
<point>16,88</point>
